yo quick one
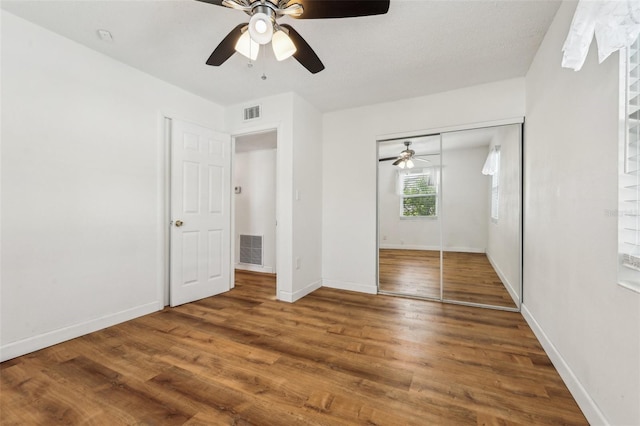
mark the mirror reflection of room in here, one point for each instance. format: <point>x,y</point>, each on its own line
<point>449,225</point>
<point>408,215</point>
<point>481,226</point>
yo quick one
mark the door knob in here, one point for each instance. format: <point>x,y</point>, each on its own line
<point>179,223</point>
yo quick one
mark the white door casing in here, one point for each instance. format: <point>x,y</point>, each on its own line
<point>200,213</point>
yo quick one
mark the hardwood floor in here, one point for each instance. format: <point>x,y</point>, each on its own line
<point>332,358</point>
<point>467,277</point>
<point>412,272</point>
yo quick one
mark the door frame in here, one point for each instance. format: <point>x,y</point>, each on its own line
<point>164,211</point>
<point>265,128</point>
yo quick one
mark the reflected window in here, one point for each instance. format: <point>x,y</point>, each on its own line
<point>419,193</point>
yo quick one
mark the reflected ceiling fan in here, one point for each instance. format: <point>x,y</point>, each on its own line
<point>263,27</point>
<point>406,158</point>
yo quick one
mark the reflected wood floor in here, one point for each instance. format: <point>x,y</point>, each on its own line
<point>467,277</point>
<point>412,272</point>
<point>332,358</point>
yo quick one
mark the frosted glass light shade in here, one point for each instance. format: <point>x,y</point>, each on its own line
<point>247,47</point>
<point>260,28</point>
<point>409,164</point>
<point>283,47</point>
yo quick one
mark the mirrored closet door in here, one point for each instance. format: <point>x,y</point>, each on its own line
<point>408,217</point>
<point>449,216</point>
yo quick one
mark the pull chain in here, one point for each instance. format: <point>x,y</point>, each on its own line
<point>250,63</point>
<point>264,64</point>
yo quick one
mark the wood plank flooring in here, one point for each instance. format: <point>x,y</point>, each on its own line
<point>412,272</point>
<point>332,358</point>
<point>467,277</point>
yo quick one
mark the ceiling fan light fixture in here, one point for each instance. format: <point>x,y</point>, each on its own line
<point>263,23</point>
<point>409,163</point>
<point>282,45</point>
<point>261,28</point>
<point>247,47</point>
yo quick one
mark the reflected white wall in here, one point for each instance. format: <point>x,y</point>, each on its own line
<point>503,244</point>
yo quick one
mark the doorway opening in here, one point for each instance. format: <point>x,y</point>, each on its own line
<point>254,199</point>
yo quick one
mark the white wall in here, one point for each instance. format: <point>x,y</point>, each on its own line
<point>82,187</point>
<point>255,206</point>
<point>463,208</point>
<point>503,242</point>
<point>299,169</point>
<point>350,160</point>
<point>307,205</point>
<point>588,324</point>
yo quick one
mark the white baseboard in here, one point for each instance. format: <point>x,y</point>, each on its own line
<point>254,268</point>
<point>431,248</point>
<point>31,344</point>
<point>286,296</point>
<point>588,406</point>
<point>465,249</point>
<point>408,247</point>
<point>507,284</point>
<point>343,285</point>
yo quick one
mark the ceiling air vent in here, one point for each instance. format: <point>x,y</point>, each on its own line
<point>252,113</point>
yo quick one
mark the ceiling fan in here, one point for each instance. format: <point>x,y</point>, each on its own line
<point>406,158</point>
<point>263,27</point>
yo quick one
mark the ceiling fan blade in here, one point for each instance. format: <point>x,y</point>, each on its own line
<point>215,2</point>
<point>304,53</point>
<point>388,159</point>
<point>320,9</point>
<point>420,159</point>
<point>226,48</point>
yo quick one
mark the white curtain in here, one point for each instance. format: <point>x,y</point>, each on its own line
<point>491,163</point>
<point>615,23</point>
<point>400,181</point>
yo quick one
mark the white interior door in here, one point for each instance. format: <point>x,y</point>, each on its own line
<point>200,212</point>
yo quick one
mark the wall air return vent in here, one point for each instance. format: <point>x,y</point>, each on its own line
<point>252,113</point>
<point>251,249</point>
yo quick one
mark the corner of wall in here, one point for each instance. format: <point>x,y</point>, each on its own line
<point>294,296</point>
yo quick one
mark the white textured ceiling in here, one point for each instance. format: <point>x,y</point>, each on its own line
<point>419,47</point>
